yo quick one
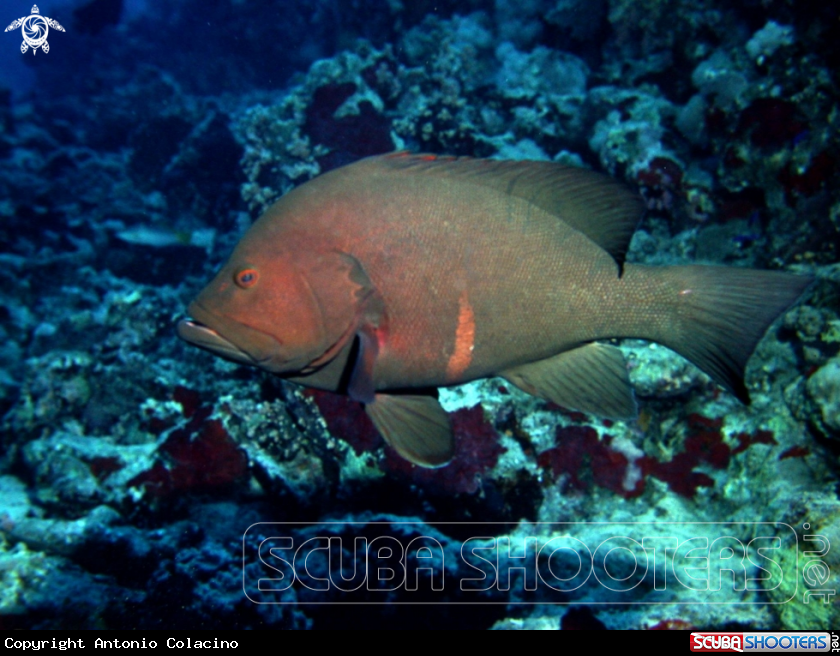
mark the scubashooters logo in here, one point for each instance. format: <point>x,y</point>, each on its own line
<point>798,642</point>
<point>35,29</point>
<point>547,563</point>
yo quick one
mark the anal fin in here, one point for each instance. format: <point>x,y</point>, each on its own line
<point>417,427</point>
<point>591,378</point>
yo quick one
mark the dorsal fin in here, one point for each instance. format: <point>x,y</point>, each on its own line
<point>595,204</point>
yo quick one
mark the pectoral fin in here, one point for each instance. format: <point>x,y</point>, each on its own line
<point>361,387</point>
<point>415,426</point>
<point>592,378</point>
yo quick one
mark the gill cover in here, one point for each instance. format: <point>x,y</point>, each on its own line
<point>290,313</point>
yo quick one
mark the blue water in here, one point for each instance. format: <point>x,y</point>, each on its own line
<point>143,482</point>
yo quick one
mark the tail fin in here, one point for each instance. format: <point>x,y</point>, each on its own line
<point>723,312</point>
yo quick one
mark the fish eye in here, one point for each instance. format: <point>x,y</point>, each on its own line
<point>246,277</point>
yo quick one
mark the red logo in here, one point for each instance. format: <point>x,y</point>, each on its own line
<point>717,642</point>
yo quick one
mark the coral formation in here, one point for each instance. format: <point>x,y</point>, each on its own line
<point>137,473</point>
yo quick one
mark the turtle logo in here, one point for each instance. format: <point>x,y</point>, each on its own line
<point>35,29</point>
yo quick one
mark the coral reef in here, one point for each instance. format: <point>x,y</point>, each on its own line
<point>136,472</point>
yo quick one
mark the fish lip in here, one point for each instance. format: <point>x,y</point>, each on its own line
<point>203,336</point>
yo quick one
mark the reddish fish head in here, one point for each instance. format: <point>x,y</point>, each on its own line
<point>260,311</point>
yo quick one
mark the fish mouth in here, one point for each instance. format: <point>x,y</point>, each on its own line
<point>203,336</point>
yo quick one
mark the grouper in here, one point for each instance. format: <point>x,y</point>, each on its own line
<point>401,273</point>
